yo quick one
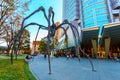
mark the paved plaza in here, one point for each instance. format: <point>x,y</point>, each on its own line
<point>72,69</point>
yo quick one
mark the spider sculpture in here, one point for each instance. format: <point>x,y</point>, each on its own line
<point>51,28</point>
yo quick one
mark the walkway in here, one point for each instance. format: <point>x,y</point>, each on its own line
<point>72,69</point>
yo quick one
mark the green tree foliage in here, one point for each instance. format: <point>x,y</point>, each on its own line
<point>25,40</point>
<point>55,42</point>
<point>43,46</point>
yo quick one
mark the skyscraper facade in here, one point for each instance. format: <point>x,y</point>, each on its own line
<point>71,10</point>
<point>94,13</point>
<point>89,12</point>
<point>97,18</point>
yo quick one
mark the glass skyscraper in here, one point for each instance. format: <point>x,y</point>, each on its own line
<point>71,10</point>
<point>91,13</point>
<point>71,13</point>
<point>99,22</point>
<point>94,13</point>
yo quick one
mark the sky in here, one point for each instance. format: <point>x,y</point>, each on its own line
<point>39,17</point>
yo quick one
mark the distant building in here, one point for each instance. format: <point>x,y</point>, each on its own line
<point>58,32</point>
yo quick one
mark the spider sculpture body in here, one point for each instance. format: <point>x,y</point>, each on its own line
<point>51,28</point>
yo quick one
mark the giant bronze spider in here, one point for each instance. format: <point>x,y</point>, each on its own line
<point>51,28</point>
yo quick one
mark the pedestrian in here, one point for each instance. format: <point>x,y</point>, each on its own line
<point>67,56</point>
<point>44,56</point>
<point>108,56</point>
<point>116,58</point>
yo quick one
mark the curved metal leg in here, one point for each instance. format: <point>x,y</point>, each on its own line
<point>93,69</point>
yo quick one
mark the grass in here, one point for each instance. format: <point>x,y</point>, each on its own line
<point>18,71</point>
<point>4,56</point>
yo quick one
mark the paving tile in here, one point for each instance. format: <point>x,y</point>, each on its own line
<point>72,69</point>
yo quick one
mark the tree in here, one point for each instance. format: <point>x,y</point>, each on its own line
<point>25,40</point>
<point>43,46</point>
<point>11,15</point>
<point>24,43</point>
<point>55,42</point>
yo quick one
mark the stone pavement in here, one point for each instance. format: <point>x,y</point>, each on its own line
<point>72,69</point>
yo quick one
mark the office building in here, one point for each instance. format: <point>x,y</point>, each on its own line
<point>71,10</point>
<point>99,24</point>
<point>94,13</point>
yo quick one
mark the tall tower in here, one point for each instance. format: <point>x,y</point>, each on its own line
<point>95,13</point>
<point>71,10</point>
